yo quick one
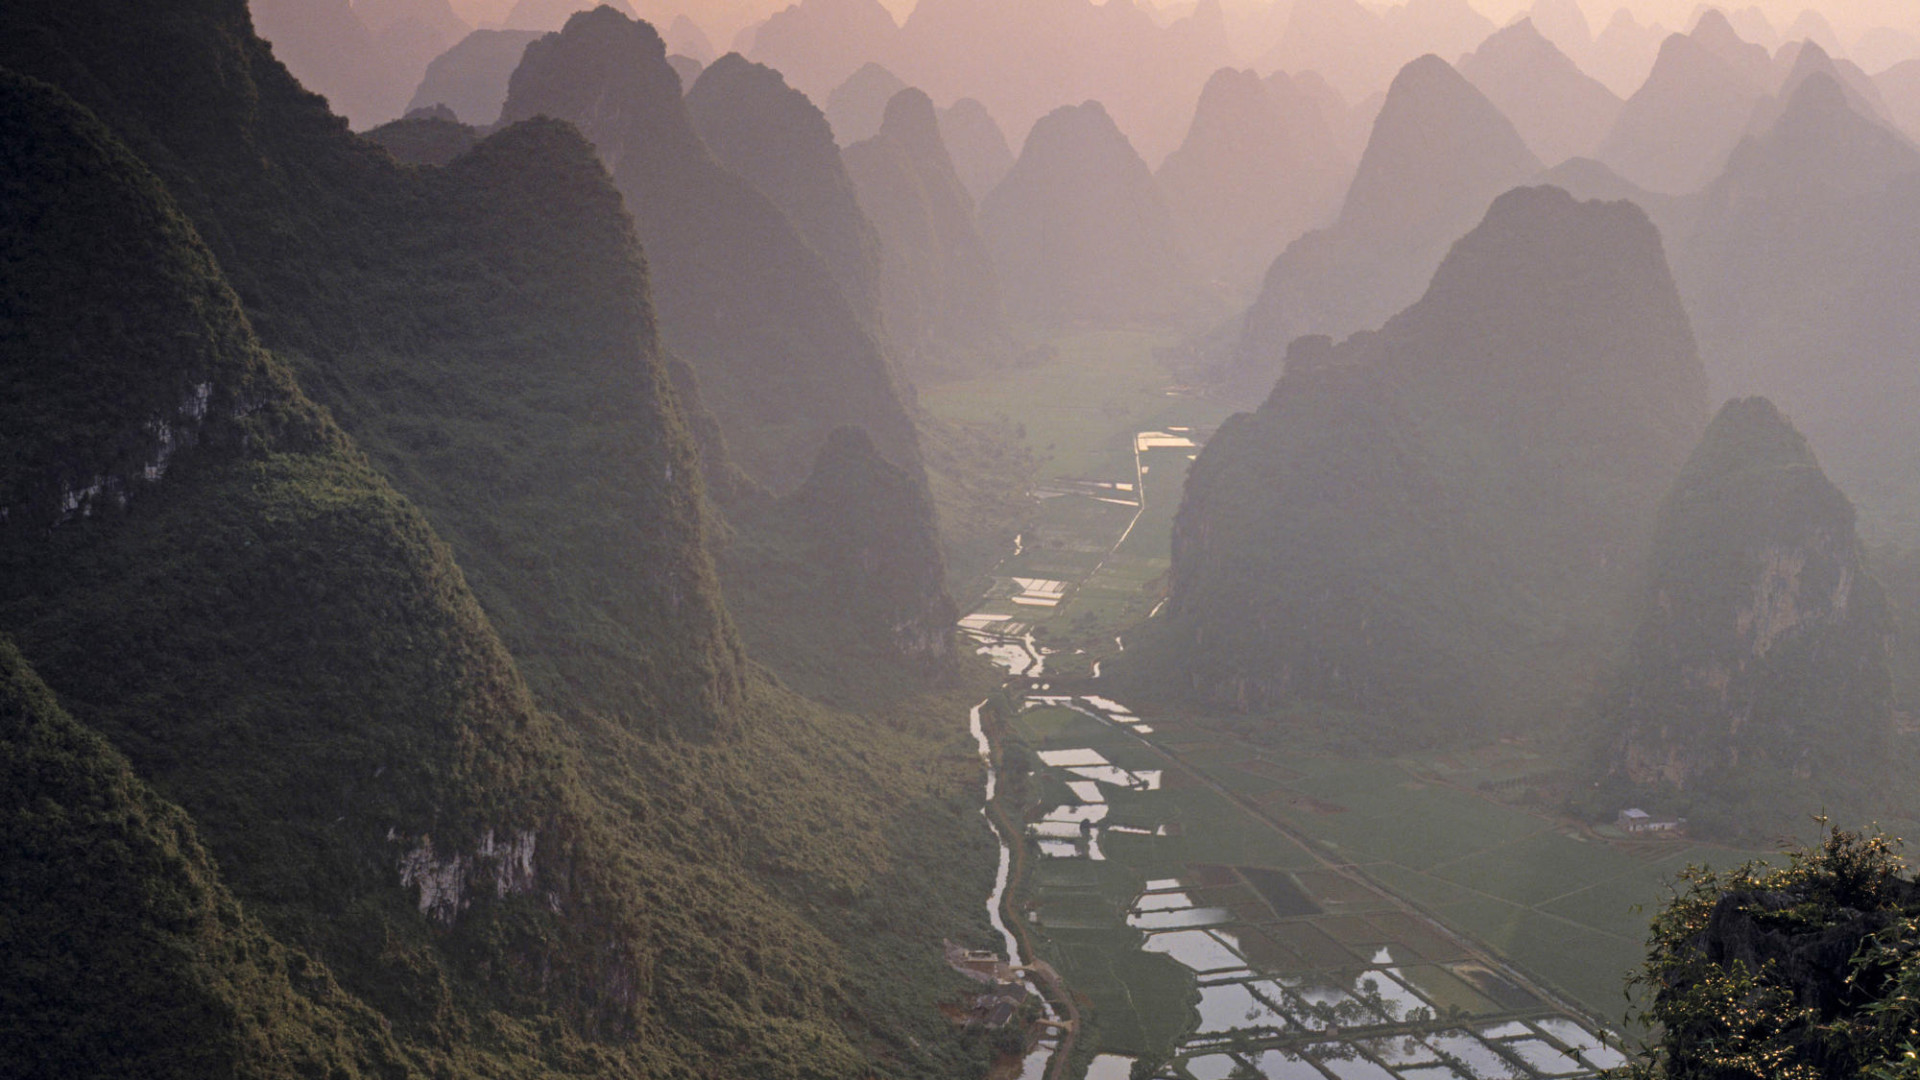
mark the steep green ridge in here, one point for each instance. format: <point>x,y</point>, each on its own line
<point>196,559</point>
<point>1438,522</point>
<point>532,423</point>
<point>749,886</point>
<point>782,355</point>
<point>834,576</point>
<point>778,141</point>
<point>1757,684</point>
<point>122,954</point>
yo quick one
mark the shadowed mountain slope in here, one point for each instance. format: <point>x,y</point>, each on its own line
<point>123,952</point>
<point>1433,524</point>
<point>782,354</point>
<point>285,646</point>
<point>1757,682</point>
<point>775,138</point>
<point>471,78</point>
<point>1800,277</point>
<point>170,498</point>
<point>1440,152</point>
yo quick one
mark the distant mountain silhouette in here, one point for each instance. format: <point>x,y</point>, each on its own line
<point>551,15</point>
<point>685,38</point>
<point>938,289</point>
<point>1024,58</point>
<point>687,68</point>
<point>1675,132</point>
<point>1757,682</point>
<point>1350,121</point>
<point>782,354</point>
<point>856,106</point>
<point>776,138</point>
<point>1900,89</point>
<point>1260,166</point>
<point>1435,524</point>
<point>1799,61</point>
<point>1624,52</point>
<point>819,44</point>
<point>1358,50</point>
<point>1800,277</point>
<point>1564,23</point>
<point>978,146</point>
<point>1342,41</point>
<point>411,33</point>
<point>1079,229</point>
<point>327,47</point>
<point>1560,111</point>
<point>1440,152</point>
<point>471,78</point>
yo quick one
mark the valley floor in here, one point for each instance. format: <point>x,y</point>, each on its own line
<point>1215,901</point>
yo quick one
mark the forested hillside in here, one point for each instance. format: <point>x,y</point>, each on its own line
<point>439,667</point>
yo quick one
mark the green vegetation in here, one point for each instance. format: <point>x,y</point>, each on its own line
<point>122,954</point>
<point>833,582</point>
<point>643,856</point>
<point>1800,972</point>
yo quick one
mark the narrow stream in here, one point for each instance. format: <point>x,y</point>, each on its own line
<point>999,895</point>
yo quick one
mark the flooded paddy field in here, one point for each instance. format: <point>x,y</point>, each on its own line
<point>1206,940</point>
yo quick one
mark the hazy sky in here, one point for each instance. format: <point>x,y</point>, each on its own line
<point>722,18</point>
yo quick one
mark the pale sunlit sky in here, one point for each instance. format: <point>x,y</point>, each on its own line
<point>723,18</point>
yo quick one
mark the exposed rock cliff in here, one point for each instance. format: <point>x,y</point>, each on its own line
<point>1760,659</point>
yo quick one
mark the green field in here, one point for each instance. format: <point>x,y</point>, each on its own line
<point>1201,931</point>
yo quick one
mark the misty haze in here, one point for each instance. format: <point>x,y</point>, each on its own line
<point>959,539</point>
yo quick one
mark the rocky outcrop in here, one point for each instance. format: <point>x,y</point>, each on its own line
<point>1760,659</point>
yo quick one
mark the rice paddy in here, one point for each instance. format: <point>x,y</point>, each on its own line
<point>1219,906</point>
